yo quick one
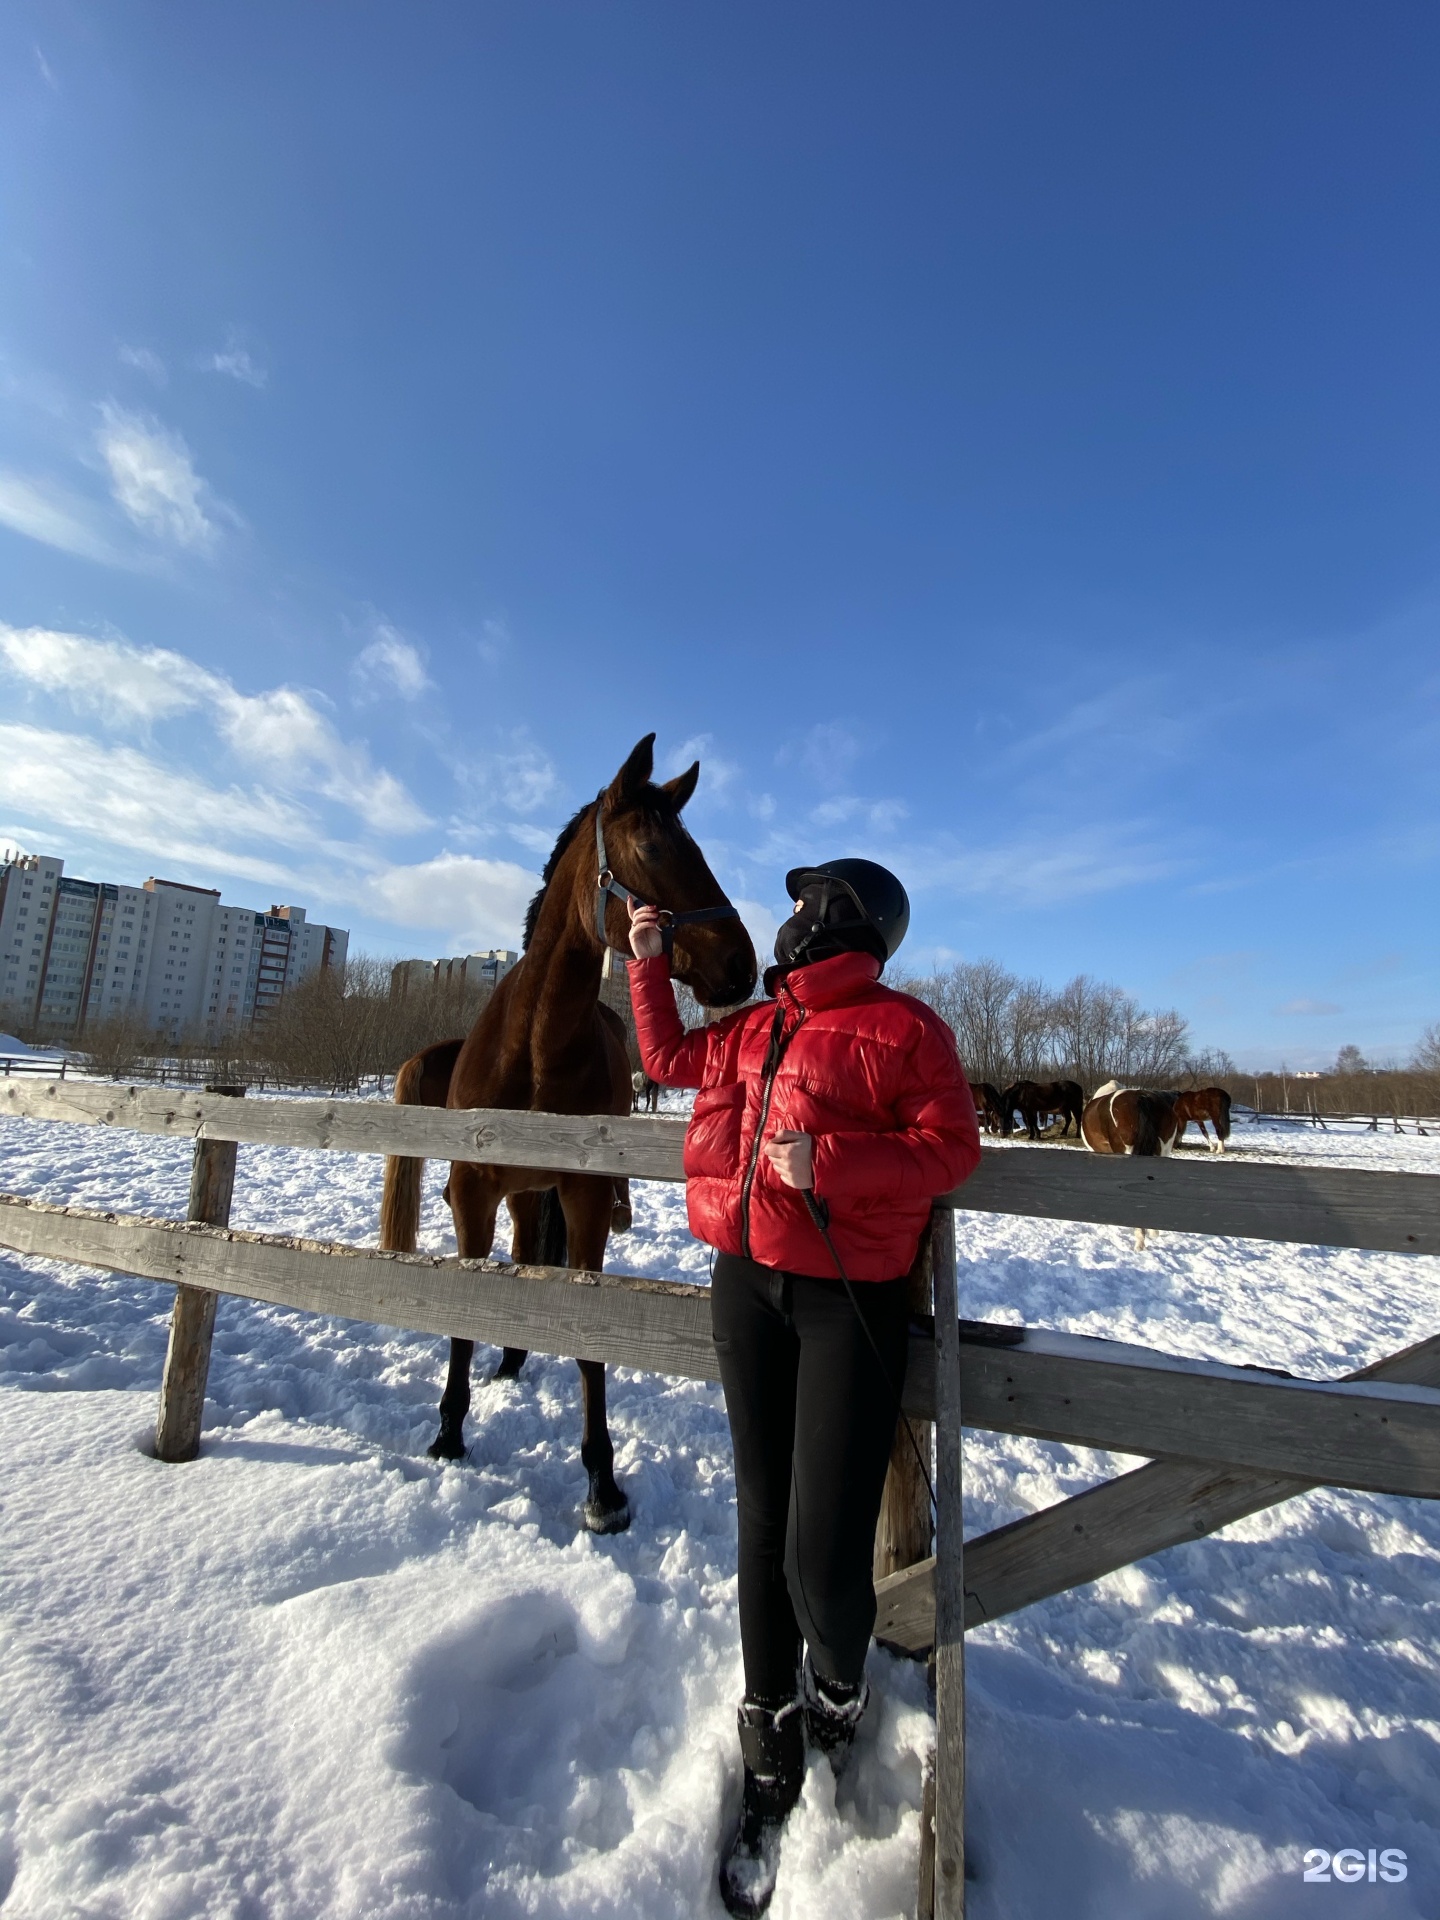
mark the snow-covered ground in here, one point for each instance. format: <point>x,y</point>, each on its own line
<point>314,1674</point>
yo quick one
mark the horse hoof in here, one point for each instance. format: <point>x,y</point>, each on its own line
<point>445,1447</point>
<point>621,1219</point>
<point>507,1370</point>
<point>601,1519</point>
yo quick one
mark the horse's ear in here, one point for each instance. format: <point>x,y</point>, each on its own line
<point>681,787</point>
<point>634,776</point>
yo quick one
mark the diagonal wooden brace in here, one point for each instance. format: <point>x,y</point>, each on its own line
<point>1110,1526</point>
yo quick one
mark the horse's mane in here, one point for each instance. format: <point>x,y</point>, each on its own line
<point>557,852</point>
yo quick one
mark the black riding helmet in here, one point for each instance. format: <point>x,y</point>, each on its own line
<point>878,896</point>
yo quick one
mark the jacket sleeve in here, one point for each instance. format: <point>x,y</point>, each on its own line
<point>934,1148</point>
<point>671,1055</point>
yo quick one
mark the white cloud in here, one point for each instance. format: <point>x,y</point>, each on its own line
<point>287,734</point>
<point>1309,1009</point>
<point>391,663</point>
<point>66,788</point>
<point>234,362</point>
<point>880,816</point>
<point>716,774</point>
<point>1036,872</point>
<point>827,752</point>
<point>129,800</point>
<point>519,777</point>
<point>117,681</point>
<point>154,480</point>
<point>281,730</point>
<point>537,840</point>
<point>477,903</point>
<point>46,72</point>
<point>55,518</point>
<point>146,362</point>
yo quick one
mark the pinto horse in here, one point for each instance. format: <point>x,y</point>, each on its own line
<point>1034,1102</point>
<point>1201,1104</point>
<point>1128,1120</point>
<point>988,1107</point>
<point>545,1043</point>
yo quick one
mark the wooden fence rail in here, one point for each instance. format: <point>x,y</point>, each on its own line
<point>1314,1206</point>
<point>1222,1441</point>
<point>1047,1386</point>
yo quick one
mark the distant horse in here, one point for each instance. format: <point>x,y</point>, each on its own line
<point>1201,1104</point>
<point>1128,1120</point>
<point>545,1043</point>
<point>647,1092</point>
<point>1035,1101</point>
<point>988,1106</point>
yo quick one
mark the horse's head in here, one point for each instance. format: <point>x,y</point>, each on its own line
<point>650,854</point>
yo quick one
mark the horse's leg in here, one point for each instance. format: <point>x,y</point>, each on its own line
<point>449,1442</point>
<point>473,1204</point>
<point>538,1240</point>
<point>587,1203</point>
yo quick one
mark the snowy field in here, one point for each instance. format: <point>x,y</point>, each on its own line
<point>314,1674</point>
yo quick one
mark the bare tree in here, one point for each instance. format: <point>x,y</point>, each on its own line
<point>1427,1050</point>
<point>116,1046</point>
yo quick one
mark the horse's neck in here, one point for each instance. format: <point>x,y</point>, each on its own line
<point>561,987</point>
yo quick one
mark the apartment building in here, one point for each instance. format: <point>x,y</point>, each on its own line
<point>75,952</point>
<point>468,969</point>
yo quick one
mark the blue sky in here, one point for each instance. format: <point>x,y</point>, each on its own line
<point>1001,441</point>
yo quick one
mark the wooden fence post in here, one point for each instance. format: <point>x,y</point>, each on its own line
<point>192,1322</point>
<point>903,1535</point>
<point>948,1896</point>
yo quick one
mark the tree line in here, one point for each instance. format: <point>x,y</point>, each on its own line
<point>1011,1028</point>
<point>344,1031</point>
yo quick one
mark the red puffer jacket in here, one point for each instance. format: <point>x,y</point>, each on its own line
<point>872,1074</point>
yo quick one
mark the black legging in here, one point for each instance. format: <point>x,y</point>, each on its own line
<point>812,1419</point>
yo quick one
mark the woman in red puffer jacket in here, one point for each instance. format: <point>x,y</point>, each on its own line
<point>844,1093</point>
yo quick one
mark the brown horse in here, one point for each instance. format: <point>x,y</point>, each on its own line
<point>988,1109</point>
<point>545,1043</point>
<point>1201,1104</point>
<point>1035,1101</point>
<point>1128,1120</point>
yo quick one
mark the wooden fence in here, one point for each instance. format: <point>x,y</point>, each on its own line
<point>1222,1441</point>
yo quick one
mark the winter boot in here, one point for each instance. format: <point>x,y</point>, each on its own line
<point>772,1745</point>
<point>832,1713</point>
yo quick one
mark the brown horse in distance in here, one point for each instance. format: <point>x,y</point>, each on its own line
<point>1201,1104</point>
<point>1036,1101</point>
<point>545,1043</point>
<point>988,1109</point>
<point>1130,1120</point>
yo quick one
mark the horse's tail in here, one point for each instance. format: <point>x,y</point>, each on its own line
<point>551,1243</point>
<point>422,1082</point>
<point>1222,1113</point>
<point>400,1196</point>
<point>1147,1126</point>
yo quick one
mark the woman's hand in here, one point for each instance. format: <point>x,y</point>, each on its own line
<point>792,1156</point>
<point>645,939</point>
